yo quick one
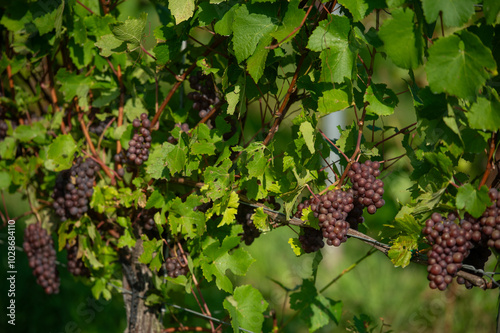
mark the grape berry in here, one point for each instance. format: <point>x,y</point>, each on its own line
<point>176,265</point>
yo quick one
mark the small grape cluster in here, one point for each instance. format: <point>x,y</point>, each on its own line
<point>99,127</point>
<point>355,216</point>
<point>176,265</point>
<point>75,264</point>
<point>244,217</point>
<point>368,190</point>
<point>74,188</point>
<point>311,240</point>
<point>489,222</point>
<point>39,247</point>
<point>331,209</point>
<point>184,127</point>
<point>204,95</point>
<point>450,246</point>
<point>147,219</point>
<point>138,147</point>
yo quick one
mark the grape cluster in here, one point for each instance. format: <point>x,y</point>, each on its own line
<point>204,95</point>
<point>39,247</point>
<point>184,127</point>
<point>331,209</point>
<point>367,189</point>
<point>138,147</point>
<point>98,128</point>
<point>355,216</point>
<point>311,240</point>
<point>147,219</point>
<point>244,217</point>
<point>74,188</point>
<point>176,265</point>
<point>489,223</point>
<point>75,264</point>
<point>450,246</point>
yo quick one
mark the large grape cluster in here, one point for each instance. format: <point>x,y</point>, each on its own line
<point>244,217</point>
<point>74,188</point>
<point>331,209</point>
<point>176,265</point>
<point>39,247</point>
<point>204,95</point>
<point>368,190</point>
<point>75,264</point>
<point>450,246</point>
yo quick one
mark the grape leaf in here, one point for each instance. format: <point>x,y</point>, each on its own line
<point>184,219</point>
<point>474,201</point>
<point>455,12</point>
<point>257,61</point>
<point>308,133</point>
<point>229,209</point>
<point>459,65</point>
<point>315,309</point>
<point>292,20</point>
<point>402,42</point>
<point>491,10</point>
<point>259,219</point>
<point>217,260</point>
<point>156,165</point>
<point>296,246</point>
<point>331,38</point>
<point>485,113</point>
<point>401,250</point>
<point>333,100</point>
<point>72,84</point>
<point>358,8</point>
<point>382,100</point>
<point>248,29</point>
<point>61,153</point>
<point>176,159</point>
<point>182,10</point>
<point>130,31</point>
<point>246,308</point>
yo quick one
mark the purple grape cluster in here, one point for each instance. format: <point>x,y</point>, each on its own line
<point>355,216</point>
<point>477,257</point>
<point>244,217</point>
<point>74,188</point>
<point>331,209</point>
<point>204,96</point>
<point>489,223</point>
<point>138,147</point>
<point>368,190</point>
<point>450,246</point>
<point>311,240</point>
<point>98,128</point>
<point>39,247</point>
<point>176,265</point>
<point>147,219</point>
<point>75,264</point>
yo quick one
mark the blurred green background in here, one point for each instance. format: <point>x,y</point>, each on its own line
<point>398,297</point>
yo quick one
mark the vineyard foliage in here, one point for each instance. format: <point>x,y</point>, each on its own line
<point>154,147</point>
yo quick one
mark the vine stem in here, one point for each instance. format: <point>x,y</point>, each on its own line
<point>403,130</point>
<point>272,47</point>
<point>489,165</point>
<point>180,80</point>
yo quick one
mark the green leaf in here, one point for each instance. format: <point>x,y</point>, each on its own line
<point>232,98</point>
<point>230,209</point>
<point>296,246</point>
<point>182,10</point>
<point>474,201</point>
<point>491,10</point>
<point>455,12</point>
<point>72,84</point>
<point>156,165</point>
<point>246,308</point>
<point>184,219</point>
<point>249,29</point>
<point>459,65</point>
<point>217,260</point>
<point>259,219</point>
<point>224,26</point>
<point>358,8</point>
<point>156,200</point>
<point>308,133</point>
<point>293,18</point>
<point>333,100</point>
<point>402,42</point>
<point>315,309</point>
<point>151,249</point>
<point>485,113</point>
<point>130,31</point>
<point>382,100</point>
<point>109,44</point>
<point>5,180</point>
<point>257,62</point>
<point>401,250</point>
<point>27,133</point>
<point>331,38</point>
<point>176,159</point>
<point>61,153</point>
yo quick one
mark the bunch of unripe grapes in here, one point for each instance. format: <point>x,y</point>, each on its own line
<point>244,217</point>
<point>204,95</point>
<point>75,264</point>
<point>39,247</point>
<point>450,246</point>
<point>331,209</point>
<point>74,188</point>
<point>176,265</point>
<point>368,190</point>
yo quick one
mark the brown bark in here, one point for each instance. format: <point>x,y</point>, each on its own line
<point>137,279</point>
